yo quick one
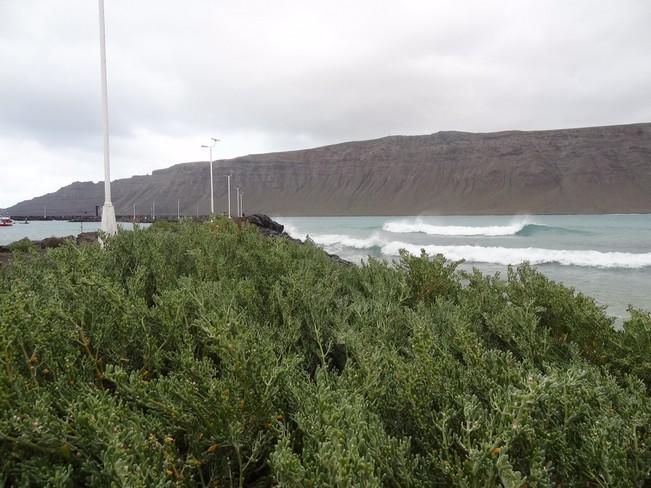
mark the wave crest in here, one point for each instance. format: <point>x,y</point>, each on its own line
<point>374,240</point>
<point>506,256</point>
<point>418,226</point>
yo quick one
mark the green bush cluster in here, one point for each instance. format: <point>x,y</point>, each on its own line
<point>208,355</point>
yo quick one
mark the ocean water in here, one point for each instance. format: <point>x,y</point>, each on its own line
<point>37,230</point>
<point>607,257</point>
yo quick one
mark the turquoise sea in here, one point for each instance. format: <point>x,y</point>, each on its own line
<point>605,256</point>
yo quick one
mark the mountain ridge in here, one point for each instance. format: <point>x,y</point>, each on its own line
<point>603,169</point>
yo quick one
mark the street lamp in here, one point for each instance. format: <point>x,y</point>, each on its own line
<point>229,194</point>
<point>228,179</point>
<point>109,225</point>
<point>212,197</point>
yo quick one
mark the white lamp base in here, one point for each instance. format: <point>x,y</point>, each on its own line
<point>109,225</point>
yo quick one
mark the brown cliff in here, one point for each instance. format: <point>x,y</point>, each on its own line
<point>589,170</point>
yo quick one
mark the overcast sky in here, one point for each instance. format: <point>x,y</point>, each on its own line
<point>276,75</point>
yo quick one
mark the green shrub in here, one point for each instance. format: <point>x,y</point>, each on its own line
<point>568,316</point>
<point>429,279</point>
<point>23,245</point>
<point>632,351</point>
<point>339,442</point>
<point>208,355</point>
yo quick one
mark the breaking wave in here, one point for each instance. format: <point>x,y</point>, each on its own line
<point>479,254</point>
<point>506,256</point>
<point>343,240</point>
<point>523,228</point>
<point>337,240</point>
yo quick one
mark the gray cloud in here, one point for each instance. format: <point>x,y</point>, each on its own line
<point>270,76</point>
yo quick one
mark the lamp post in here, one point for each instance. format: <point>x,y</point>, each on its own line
<point>109,225</point>
<point>237,199</point>
<point>228,179</point>
<point>241,204</point>
<point>229,195</point>
<point>212,197</point>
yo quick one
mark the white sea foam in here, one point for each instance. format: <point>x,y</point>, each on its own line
<point>293,231</point>
<point>418,226</point>
<point>347,241</point>
<point>336,240</point>
<point>505,255</point>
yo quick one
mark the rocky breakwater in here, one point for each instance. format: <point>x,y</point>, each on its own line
<point>270,228</point>
<point>263,223</point>
<point>42,245</point>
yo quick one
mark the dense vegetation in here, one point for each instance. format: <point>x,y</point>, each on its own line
<point>208,355</point>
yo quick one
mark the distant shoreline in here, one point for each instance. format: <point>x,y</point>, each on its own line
<point>146,219</point>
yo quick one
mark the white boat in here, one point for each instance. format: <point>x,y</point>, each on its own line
<point>6,222</point>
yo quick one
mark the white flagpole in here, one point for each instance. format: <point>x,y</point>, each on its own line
<point>108,212</point>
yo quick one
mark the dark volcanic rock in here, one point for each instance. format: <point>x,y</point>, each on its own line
<point>590,170</point>
<point>52,242</point>
<point>269,227</point>
<point>82,238</point>
<point>264,223</point>
<point>48,243</point>
<point>5,255</point>
<point>87,238</point>
<point>339,260</point>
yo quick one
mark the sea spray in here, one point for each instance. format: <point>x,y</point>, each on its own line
<point>293,231</point>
